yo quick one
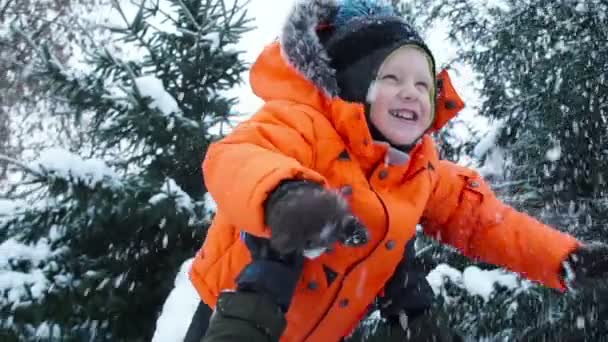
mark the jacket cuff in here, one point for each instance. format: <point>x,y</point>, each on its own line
<point>274,278</point>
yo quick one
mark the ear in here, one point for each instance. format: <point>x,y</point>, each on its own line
<point>448,102</point>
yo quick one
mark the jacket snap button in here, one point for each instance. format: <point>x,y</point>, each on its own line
<point>383,174</point>
<point>344,155</point>
<point>313,285</point>
<point>449,104</point>
<point>474,184</point>
<point>344,303</point>
<point>390,244</point>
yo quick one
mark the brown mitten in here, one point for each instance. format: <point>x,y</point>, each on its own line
<point>304,216</point>
<point>588,263</point>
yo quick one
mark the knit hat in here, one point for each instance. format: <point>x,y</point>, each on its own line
<point>358,40</point>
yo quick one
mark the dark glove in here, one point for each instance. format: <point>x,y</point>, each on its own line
<point>270,272</point>
<point>244,316</point>
<point>407,292</point>
<point>304,216</point>
<point>589,262</point>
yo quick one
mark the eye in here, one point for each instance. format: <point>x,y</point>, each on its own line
<point>423,84</point>
<point>390,77</point>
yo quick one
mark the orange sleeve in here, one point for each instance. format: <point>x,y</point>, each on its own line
<point>244,167</point>
<point>464,212</point>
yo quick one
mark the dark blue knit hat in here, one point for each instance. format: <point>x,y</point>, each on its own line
<point>362,34</point>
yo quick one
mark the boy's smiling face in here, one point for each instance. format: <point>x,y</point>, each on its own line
<point>400,97</point>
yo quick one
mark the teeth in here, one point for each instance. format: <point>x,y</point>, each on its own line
<point>403,114</point>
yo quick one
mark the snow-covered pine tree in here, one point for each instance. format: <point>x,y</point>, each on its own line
<point>91,248</point>
<point>542,69</point>
<point>64,26</point>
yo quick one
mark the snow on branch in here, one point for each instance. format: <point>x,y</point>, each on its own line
<point>23,286</point>
<point>152,87</point>
<point>89,172</point>
<point>170,189</point>
<point>475,281</point>
<point>12,249</point>
<point>7,207</point>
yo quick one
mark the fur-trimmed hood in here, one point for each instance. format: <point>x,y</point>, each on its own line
<point>301,46</point>
<point>296,67</point>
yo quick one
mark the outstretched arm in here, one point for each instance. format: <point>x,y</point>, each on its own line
<point>464,212</point>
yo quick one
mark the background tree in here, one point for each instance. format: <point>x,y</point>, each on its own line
<point>65,26</point>
<point>102,229</point>
<point>542,65</point>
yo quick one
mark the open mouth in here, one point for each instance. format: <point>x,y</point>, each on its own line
<point>404,114</point>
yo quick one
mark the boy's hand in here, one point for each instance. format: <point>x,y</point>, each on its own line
<point>588,262</point>
<point>305,217</point>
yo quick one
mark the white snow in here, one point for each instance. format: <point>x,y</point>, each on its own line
<point>580,322</point>
<point>65,164</point>
<point>170,189</point>
<point>154,200</point>
<point>482,282</point>
<point>12,249</point>
<point>489,140</point>
<point>7,207</point>
<point>474,280</point>
<point>442,273</point>
<point>494,165</point>
<point>214,39</point>
<point>47,331</point>
<point>178,309</point>
<point>554,154</point>
<point>152,87</point>
<point>314,253</point>
<point>210,205</point>
<point>19,287</point>
<point>118,94</point>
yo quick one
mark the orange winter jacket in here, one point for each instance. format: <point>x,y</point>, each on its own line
<point>301,133</point>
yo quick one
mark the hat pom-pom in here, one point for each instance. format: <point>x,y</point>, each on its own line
<point>350,9</point>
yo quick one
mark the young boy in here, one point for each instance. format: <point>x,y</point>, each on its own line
<point>341,155</point>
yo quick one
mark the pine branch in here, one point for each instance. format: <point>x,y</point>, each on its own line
<point>28,39</point>
<point>146,45</point>
<point>23,166</point>
<point>157,9</point>
<point>88,34</point>
<point>22,195</point>
<point>5,8</point>
<point>121,12</point>
<point>189,15</point>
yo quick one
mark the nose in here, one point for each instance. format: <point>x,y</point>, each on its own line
<point>408,91</point>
